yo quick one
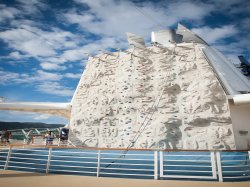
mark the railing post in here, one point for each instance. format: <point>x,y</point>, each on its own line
<point>98,163</point>
<point>48,161</point>
<point>8,158</point>
<point>155,165</point>
<point>161,163</point>
<point>213,163</point>
<point>219,168</point>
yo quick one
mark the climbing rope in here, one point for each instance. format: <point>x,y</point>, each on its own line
<point>144,125</point>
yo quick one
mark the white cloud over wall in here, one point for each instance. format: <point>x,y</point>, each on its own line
<point>114,18</point>
<point>211,35</point>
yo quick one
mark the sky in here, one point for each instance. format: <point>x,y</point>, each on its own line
<point>44,44</point>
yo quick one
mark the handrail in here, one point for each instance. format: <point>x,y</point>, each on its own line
<point>60,159</point>
<point>41,128</point>
<point>119,149</point>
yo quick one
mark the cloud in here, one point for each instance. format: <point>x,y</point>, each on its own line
<point>7,13</point>
<point>193,11</point>
<point>81,52</point>
<point>211,35</point>
<point>73,75</point>
<point>28,7</point>
<point>32,7</point>
<point>5,77</point>
<point>114,18</point>
<point>55,88</point>
<point>55,46</point>
<point>27,42</point>
<point>15,55</point>
<point>231,7</point>
<point>51,66</point>
<point>37,42</point>
<point>42,117</point>
<point>42,75</point>
<point>232,48</point>
<point>19,78</point>
<point>245,23</point>
<point>219,36</point>
<point>44,82</point>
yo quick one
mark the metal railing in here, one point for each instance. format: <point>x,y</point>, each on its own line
<point>132,163</point>
<point>195,165</point>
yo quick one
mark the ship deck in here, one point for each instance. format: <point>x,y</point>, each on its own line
<point>25,161</point>
<point>14,178</point>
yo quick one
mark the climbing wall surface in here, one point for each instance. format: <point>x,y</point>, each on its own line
<point>156,97</point>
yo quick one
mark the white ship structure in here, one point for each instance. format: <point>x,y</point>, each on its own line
<point>178,93</point>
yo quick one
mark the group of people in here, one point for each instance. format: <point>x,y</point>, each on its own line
<point>5,136</point>
<point>49,137</point>
<point>63,136</point>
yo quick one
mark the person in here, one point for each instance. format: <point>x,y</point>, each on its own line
<point>9,136</point>
<point>1,137</point>
<point>64,135</point>
<point>6,136</point>
<point>49,138</point>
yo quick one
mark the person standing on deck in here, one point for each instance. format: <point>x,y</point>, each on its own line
<point>6,136</point>
<point>49,138</point>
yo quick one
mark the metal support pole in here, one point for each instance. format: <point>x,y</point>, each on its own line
<point>161,164</point>
<point>8,158</point>
<point>213,164</point>
<point>218,158</point>
<point>38,132</point>
<point>98,163</point>
<point>59,141</point>
<point>155,165</point>
<point>24,132</point>
<point>48,161</point>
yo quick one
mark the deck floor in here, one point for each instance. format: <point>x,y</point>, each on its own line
<point>25,179</point>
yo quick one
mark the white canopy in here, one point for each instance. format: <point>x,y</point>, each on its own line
<point>61,109</point>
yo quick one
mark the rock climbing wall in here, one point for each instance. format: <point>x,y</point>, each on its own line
<point>156,97</point>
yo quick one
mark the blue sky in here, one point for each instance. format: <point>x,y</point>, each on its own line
<point>43,43</point>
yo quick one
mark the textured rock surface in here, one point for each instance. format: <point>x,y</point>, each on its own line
<point>151,98</point>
